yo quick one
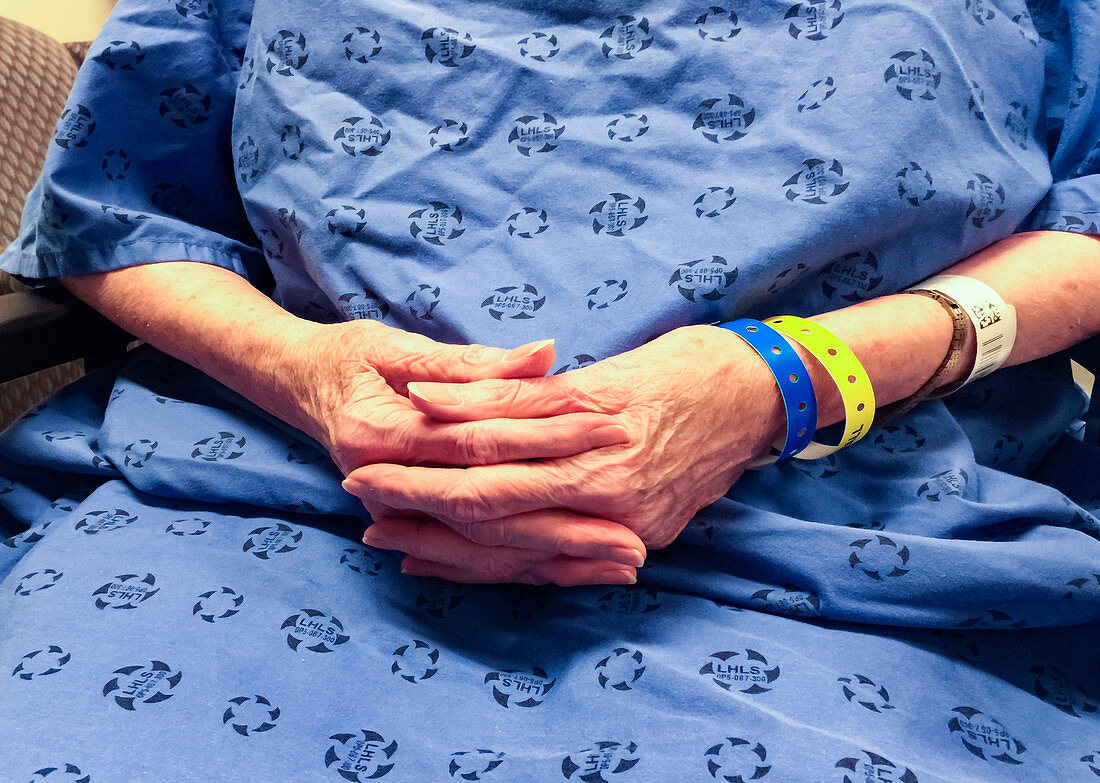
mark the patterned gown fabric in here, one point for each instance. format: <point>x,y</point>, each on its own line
<point>184,596</point>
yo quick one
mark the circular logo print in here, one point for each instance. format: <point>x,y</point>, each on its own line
<point>472,764</point>
<point>437,223</point>
<point>747,671</point>
<point>40,663</point>
<point>852,277</point>
<point>539,47</point>
<point>899,439</point>
<point>817,182</point>
<point>185,105</point>
<point>362,44</point>
<point>528,223</point>
<point>102,521</point>
<point>976,102</point>
<point>708,279</point>
<point>626,38</point>
<point>813,19</point>
<point>981,11</point>
<point>580,360</point>
<point>606,294</point>
<point>189,526</point>
<point>422,301</point>
<point>138,453</point>
<point>223,446</point>
<point>617,214</point>
<point>250,715</point>
<point>985,736</point>
<point>737,760</point>
<point>993,619</point>
<point>913,74</point>
<point>627,127</point>
<point>717,24</point>
<point>274,539</point>
<point>1054,686</point>
<point>879,557</point>
<point>819,92</point>
<point>321,632</point>
<point>987,199</point>
<point>714,201</point>
<point>724,119</point>
<point>1016,124</point>
<point>789,599</point>
<point>914,184</point>
<point>449,135</point>
<point>248,160</point>
<point>217,604</point>
<point>438,597</point>
<point>366,306</point>
<point>600,762</point>
<point>70,774</point>
<point>136,685</point>
<point>620,670</point>
<point>115,165</point>
<point>535,133</point>
<point>446,46</point>
<point>415,661</point>
<point>365,136</point>
<point>948,482</point>
<point>290,141</point>
<point>870,766</point>
<point>516,302</point>
<point>516,688</point>
<point>173,199</point>
<point>360,757</point>
<point>121,55</point>
<point>865,692</point>
<point>1073,223</point>
<point>272,244</point>
<point>199,9</point>
<point>37,580</point>
<point>630,600</point>
<point>126,591</point>
<point>346,220</point>
<point>286,53</point>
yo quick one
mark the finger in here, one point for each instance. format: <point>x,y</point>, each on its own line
<point>501,398</point>
<point>414,357</point>
<point>563,571</point>
<point>554,531</point>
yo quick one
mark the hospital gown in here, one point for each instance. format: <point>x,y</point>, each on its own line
<point>184,596</point>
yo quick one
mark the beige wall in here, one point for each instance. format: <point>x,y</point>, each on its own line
<point>66,20</point>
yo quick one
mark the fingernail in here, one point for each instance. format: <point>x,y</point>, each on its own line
<point>608,435</point>
<point>620,578</point>
<point>625,555</point>
<point>524,351</point>
<point>440,394</point>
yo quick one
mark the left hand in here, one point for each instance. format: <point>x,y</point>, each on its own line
<point>699,405</point>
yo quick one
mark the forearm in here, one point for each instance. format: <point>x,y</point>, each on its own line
<point>214,320</point>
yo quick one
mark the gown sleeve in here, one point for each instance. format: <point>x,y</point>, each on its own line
<point>140,168</point>
<point>1072,125</point>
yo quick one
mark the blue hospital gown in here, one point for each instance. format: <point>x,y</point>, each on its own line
<point>184,596</point>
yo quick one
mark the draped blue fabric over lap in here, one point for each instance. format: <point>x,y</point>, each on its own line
<point>183,594</point>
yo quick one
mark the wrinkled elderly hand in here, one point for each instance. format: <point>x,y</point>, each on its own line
<point>698,405</point>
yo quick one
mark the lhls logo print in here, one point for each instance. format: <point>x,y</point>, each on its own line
<point>788,277</point>
<point>41,663</point>
<point>438,597</point>
<point>899,439</point>
<point>913,73</point>
<point>415,662</point>
<point>985,736</point>
<point>311,625</point>
<point>115,165</point>
<point>516,302</point>
<point>814,19</point>
<point>745,670</point>
<point>142,684</point>
<point>817,182</point>
<point>248,160</point>
<point>290,142</point>
<point>346,220</point>
<point>1007,450</point>
<point>539,47</point>
<point>138,453</point>
<point>197,9</point>
<point>70,774</point>
<point>528,223</point>
<point>187,526</point>
<point>449,135</point>
<point>74,127</point>
<point>103,521</point>
<point>37,580</point>
<point>272,244</point>
<point>362,136</point>
<point>724,119</point>
<point>944,484</point>
<point>421,303</point>
<point>1054,686</point>
<point>737,760</point>
<point>630,600</point>
<point>789,599</point>
<point>268,540</point>
<point>975,104</point>
<point>446,46</point>
<point>121,55</point>
<point>248,715</point>
<point>365,306</point>
<point>600,763</point>
<point>436,223</point>
<point>126,591</point>
<point>851,278</point>
<point>914,184</point>
<point>214,605</point>
<point>816,95</point>
<point>628,127</point>
<point>515,688</point>
<point>535,133</point>
<point>1073,223</point>
<point>606,294</point>
<point>1016,124</point>
<point>713,201</point>
<point>1078,89</point>
<point>366,755</point>
<point>216,448</point>
<point>870,766</point>
<point>362,44</point>
<point>707,279</point>
<point>619,670</point>
<point>473,764</point>
<point>185,106</point>
<point>53,216</point>
<point>617,214</point>
<point>626,38</point>
<point>717,24</point>
<point>865,692</point>
<point>879,558</point>
<point>286,53</point>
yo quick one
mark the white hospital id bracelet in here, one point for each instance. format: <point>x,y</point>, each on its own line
<point>994,322</point>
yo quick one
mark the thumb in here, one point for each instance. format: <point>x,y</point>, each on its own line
<point>463,363</point>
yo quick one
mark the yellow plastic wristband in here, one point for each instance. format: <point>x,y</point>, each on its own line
<point>847,373</point>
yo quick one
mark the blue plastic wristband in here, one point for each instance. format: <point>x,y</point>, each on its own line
<point>794,382</point>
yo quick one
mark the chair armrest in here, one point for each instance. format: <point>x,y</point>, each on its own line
<point>45,328</point>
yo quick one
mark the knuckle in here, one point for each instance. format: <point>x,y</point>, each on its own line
<point>492,532</point>
<point>478,446</point>
<point>462,504</point>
